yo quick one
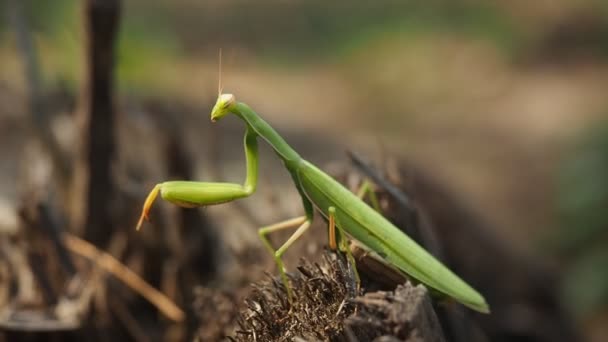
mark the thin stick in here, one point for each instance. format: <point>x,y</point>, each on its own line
<point>124,274</point>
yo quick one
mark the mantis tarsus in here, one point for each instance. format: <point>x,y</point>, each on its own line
<point>352,217</point>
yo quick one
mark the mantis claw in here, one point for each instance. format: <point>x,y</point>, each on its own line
<point>147,205</point>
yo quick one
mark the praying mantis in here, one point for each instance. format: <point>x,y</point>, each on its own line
<point>348,216</point>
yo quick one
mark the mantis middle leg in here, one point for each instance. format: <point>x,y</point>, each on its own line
<point>303,223</point>
<point>333,224</point>
<point>364,189</point>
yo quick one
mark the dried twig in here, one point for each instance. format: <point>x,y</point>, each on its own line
<point>124,274</point>
<point>405,314</point>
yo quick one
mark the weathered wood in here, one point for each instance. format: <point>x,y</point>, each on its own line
<point>403,315</point>
<point>511,280</point>
<point>93,184</point>
<point>326,308</point>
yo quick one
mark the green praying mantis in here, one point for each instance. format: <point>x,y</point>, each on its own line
<point>348,216</point>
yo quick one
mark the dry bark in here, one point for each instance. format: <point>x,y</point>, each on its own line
<point>326,308</point>
<point>93,185</point>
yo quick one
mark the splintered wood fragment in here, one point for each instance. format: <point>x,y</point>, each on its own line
<point>403,315</point>
<point>371,265</point>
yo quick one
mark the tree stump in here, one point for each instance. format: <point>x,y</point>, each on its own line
<point>326,308</point>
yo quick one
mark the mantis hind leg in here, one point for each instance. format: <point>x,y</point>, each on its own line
<point>366,189</point>
<point>333,224</point>
<point>303,223</point>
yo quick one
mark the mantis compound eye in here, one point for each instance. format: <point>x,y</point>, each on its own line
<point>227,100</point>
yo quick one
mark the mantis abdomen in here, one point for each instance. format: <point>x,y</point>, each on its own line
<point>375,232</point>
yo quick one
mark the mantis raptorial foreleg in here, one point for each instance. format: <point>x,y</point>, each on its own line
<point>303,224</point>
<point>194,194</point>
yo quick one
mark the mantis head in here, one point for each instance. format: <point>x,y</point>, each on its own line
<point>224,105</point>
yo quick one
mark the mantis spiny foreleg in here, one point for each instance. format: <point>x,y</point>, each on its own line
<point>194,194</point>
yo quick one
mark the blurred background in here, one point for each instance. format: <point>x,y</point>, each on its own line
<point>504,102</point>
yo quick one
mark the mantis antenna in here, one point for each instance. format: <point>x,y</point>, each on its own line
<point>219,83</point>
